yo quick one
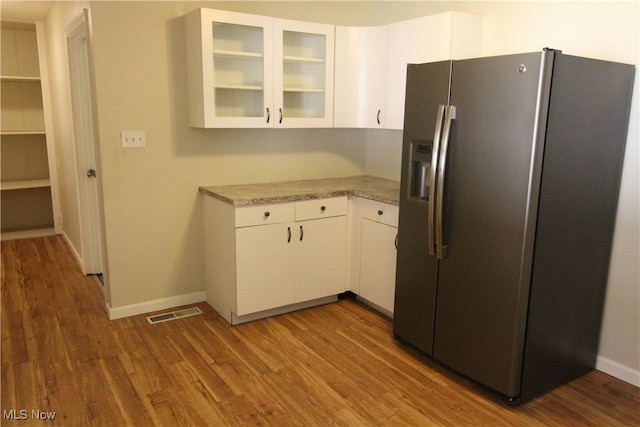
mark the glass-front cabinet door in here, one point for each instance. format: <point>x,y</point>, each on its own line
<point>229,69</point>
<point>303,72</point>
<point>255,71</point>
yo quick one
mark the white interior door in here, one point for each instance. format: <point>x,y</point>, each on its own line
<point>87,170</point>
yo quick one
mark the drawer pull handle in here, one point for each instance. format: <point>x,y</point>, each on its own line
<point>380,212</point>
<point>289,235</point>
<point>266,214</point>
<point>301,233</point>
<point>323,208</point>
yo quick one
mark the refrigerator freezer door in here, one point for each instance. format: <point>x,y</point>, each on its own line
<point>482,280</point>
<point>427,88</point>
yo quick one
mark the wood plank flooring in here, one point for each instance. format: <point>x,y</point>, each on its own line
<point>332,365</point>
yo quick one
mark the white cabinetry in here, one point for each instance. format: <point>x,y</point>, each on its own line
<point>373,252</point>
<point>29,203</point>
<point>276,256</point>
<point>256,71</point>
<point>263,257</point>
<point>360,77</point>
<point>321,248</point>
<point>360,51</point>
<point>303,64</point>
<point>378,263</point>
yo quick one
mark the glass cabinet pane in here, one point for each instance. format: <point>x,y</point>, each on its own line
<point>238,70</point>
<point>304,69</point>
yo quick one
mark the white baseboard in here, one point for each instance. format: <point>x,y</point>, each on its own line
<point>618,370</point>
<point>155,305</point>
<point>73,249</point>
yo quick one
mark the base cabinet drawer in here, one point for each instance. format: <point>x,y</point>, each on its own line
<point>379,212</point>
<point>321,208</point>
<point>247,216</point>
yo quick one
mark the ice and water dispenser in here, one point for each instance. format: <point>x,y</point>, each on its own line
<point>421,174</point>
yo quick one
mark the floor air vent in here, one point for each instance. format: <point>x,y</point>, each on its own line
<point>165,317</point>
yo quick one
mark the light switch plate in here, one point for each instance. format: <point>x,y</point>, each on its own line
<point>133,138</point>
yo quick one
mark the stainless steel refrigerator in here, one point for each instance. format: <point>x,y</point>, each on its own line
<point>509,189</point>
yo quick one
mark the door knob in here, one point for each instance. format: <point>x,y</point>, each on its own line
<point>91,173</point>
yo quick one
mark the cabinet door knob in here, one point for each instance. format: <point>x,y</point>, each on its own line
<point>323,208</point>
<point>91,173</point>
<point>266,214</point>
<point>380,212</point>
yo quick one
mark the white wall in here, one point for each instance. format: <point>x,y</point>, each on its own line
<point>152,207</point>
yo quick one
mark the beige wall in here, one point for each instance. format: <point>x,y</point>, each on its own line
<point>152,207</point>
<point>152,204</point>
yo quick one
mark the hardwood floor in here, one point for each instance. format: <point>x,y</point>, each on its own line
<point>335,364</point>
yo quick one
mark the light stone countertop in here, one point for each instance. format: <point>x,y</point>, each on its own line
<point>368,187</point>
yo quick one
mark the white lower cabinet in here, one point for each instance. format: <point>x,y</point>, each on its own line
<point>273,257</point>
<point>378,263</point>
<point>264,268</point>
<point>374,228</point>
<point>320,258</point>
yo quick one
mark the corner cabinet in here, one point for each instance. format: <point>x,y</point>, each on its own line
<point>29,203</point>
<point>265,259</point>
<point>371,63</point>
<point>256,71</point>
<point>374,231</point>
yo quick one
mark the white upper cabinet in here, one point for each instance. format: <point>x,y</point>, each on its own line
<point>360,77</point>
<point>303,70</point>
<point>360,51</point>
<point>248,70</point>
<point>229,69</point>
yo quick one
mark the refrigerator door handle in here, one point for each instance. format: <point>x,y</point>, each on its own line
<point>431,179</point>
<point>450,114</point>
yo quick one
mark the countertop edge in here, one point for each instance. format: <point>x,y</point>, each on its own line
<point>366,190</point>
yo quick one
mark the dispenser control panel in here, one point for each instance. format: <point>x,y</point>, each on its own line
<point>422,151</point>
<point>420,170</point>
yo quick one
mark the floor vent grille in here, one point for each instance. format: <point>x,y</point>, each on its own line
<point>165,317</point>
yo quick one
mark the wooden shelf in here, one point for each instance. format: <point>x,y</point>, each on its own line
<point>22,132</point>
<point>23,185</point>
<point>22,79</point>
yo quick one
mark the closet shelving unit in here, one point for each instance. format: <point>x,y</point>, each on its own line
<point>27,171</point>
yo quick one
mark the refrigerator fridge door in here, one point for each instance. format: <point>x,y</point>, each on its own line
<point>414,308</point>
<point>491,189</point>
